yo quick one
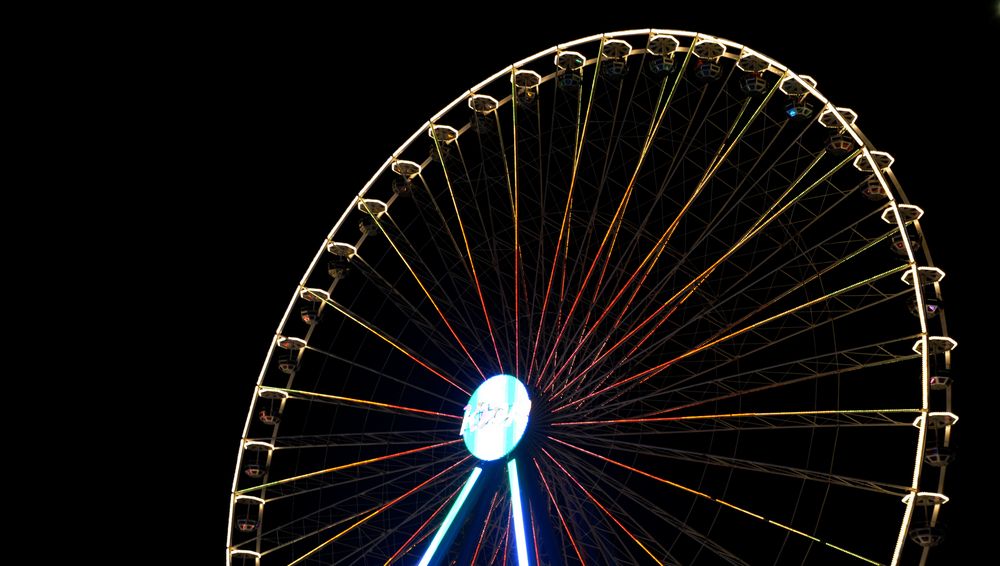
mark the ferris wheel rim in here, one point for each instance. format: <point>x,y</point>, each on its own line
<point>892,212</point>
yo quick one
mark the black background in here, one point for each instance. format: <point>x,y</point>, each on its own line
<point>285,116</point>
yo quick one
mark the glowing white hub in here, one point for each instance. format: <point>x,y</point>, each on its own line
<point>495,417</point>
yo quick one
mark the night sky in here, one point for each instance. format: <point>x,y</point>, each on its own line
<point>297,111</point>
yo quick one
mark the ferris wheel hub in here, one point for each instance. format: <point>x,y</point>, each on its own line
<point>495,417</point>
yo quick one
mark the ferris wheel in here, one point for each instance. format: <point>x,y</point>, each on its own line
<point>645,297</point>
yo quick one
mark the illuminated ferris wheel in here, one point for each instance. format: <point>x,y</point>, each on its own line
<point>645,297</point>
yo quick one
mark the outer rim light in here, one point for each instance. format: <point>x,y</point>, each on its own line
<point>924,274</point>
<point>495,417</point>
<point>778,69</point>
<point>936,498</point>
<point>272,393</point>
<point>257,445</point>
<point>949,418</point>
<point>908,212</point>
<point>249,499</point>
<point>313,295</point>
<point>946,344</point>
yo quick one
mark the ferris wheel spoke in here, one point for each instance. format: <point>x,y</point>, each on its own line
<point>380,224</point>
<point>310,524</point>
<point>385,338</point>
<point>604,509</point>
<point>562,519</point>
<point>582,130</point>
<point>367,552</point>
<point>494,182</point>
<point>681,525</point>
<point>614,226</point>
<point>432,331</point>
<point>594,541</point>
<point>378,511</point>
<point>812,367</point>
<point>513,187</point>
<point>462,279</point>
<point>534,532</point>
<point>743,292</point>
<point>497,535</point>
<point>716,500</point>
<point>347,466</point>
<point>438,212</point>
<point>675,386</point>
<point>672,336</point>
<point>486,524</point>
<point>563,322</point>
<point>612,441</point>
<point>363,485</point>
<point>759,424</point>
<point>294,393</point>
<point>530,236</point>
<point>765,419</point>
<point>766,343</point>
<point>663,186</point>
<point>765,280</point>
<point>615,222</point>
<point>614,141</point>
<point>414,541</point>
<point>655,370</point>
<point>339,400</point>
<point>686,142</point>
<point>315,532</point>
<point>704,541</point>
<point>453,299</point>
<point>682,157</point>
<point>506,540</point>
<point>291,532</point>
<point>563,238</point>
<point>728,143</point>
<point>600,357</point>
<point>392,473</point>
<point>518,274</point>
<point>654,253</point>
<point>765,219</point>
<point>683,386</point>
<point>724,211</point>
<point>564,230</point>
<point>602,538</point>
<point>694,393</point>
<point>374,438</point>
<point>613,490</point>
<point>798,285</point>
<point>762,221</point>
<point>468,249</point>
<point>459,183</point>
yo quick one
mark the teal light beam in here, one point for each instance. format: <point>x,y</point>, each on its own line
<point>515,502</point>
<point>450,517</point>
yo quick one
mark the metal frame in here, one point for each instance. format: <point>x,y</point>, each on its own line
<point>743,294</point>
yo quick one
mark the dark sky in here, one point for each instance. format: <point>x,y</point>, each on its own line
<point>297,105</point>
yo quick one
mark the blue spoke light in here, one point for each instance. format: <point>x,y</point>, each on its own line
<point>450,517</point>
<point>515,502</point>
